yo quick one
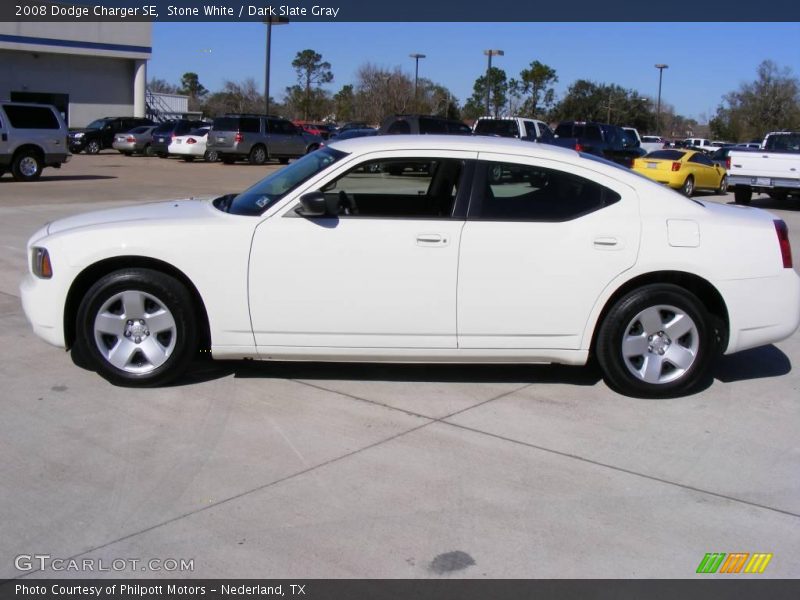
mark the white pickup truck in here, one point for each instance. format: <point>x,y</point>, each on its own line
<point>774,168</point>
<point>518,127</point>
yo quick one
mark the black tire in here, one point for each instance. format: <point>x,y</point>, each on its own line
<point>258,155</point>
<point>742,194</point>
<point>638,362</point>
<point>211,156</point>
<point>779,195</point>
<point>26,166</point>
<point>687,189</point>
<point>93,147</point>
<point>148,150</point>
<point>165,295</point>
<point>723,186</point>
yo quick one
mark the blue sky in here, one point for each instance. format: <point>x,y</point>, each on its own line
<point>705,60</point>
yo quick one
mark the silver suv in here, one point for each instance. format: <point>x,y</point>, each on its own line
<point>32,136</point>
<point>259,137</point>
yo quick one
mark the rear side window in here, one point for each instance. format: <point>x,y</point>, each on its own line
<point>514,192</point>
<point>432,126</point>
<point>790,142</point>
<point>399,127</point>
<point>30,117</point>
<point>165,127</point>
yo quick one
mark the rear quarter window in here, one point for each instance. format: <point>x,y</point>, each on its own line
<point>31,117</point>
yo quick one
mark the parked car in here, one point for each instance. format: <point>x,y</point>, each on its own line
<point>192,146</point>
<point>720,157</point>
<point>352,125</point>
<point>257,138</point>
<point>353,133</point>
<point>513,127</point>
<point>32,137</point>
<point>167,131</point>
<point>684,170</point>
<point>422,124</point>
<point>308,128</point>
<point>99,134</point>
<point>136,141</point>
<point>699,144</point>
<point>651,143</point>
<point>773,169</point>
<point>502,251</point>
<point>326,129</point>
<point>600,139</point>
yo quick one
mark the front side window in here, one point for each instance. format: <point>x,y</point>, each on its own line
<point>414,188</point>
<point>515,192</point>
<point>272,188</point>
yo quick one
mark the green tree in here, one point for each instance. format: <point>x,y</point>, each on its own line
<point>770,103</point>
<point>191,86</point>
<point>312,72</point>
<point>236,97</point>
<point>161,86</point>
<point>535,88</point>
<point>344,104</point>
<point>497,84</point>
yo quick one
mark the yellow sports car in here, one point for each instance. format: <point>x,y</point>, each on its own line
<point>684,170</point>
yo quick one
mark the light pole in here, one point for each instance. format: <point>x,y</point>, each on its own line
<point>660,68</point>
<point>270,21</point>
<point>416,58</point>
<point>490,54</point>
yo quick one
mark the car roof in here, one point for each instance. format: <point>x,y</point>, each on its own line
<point>451,142</point>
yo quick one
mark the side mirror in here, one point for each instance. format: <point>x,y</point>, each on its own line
<point>316,204</point>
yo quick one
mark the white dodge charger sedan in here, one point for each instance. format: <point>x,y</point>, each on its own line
<point>421,249</point>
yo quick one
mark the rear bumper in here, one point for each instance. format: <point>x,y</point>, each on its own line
<point>764,182</point>
<point>761,311</point>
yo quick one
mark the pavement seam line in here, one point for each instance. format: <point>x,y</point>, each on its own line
<point>234,497</point>
<point>621,469</point>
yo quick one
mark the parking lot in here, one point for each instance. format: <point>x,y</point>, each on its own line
<point>302,470</point>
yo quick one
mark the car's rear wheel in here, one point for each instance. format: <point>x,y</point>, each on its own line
<point>258,155</point>
<point>27,166</point>
<point>93,147</point>
<point>211,156</point>
<point>148,150</point>
<point>656,341</point>
<point>687,189</point>
<point>742,194</point>
<point>137,327</point>
<point>723,185</point>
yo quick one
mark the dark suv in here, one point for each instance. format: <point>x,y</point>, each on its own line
<point>600,139</point>
<point>259,137</point>
<point>100,134</point>
<point>422,124</point>
<point>163,134</point>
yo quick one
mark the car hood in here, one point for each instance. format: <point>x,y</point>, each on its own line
<point>82,130</point>
<point>174,210</point>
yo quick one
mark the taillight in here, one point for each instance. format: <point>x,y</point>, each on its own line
<point>238,138</point>
<point>783,241</point>
<point>191,141</point>
<point>728,164</point>
<point>676,166</point>
<point>130,139</point>
<point>578,147</point>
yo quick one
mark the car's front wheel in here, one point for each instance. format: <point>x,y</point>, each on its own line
<point>27,166</point>
<point>656,341</point>
<point>137,327</point>
<point>93,147</point>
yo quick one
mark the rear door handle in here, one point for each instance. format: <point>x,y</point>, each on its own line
<point>431,239</point>
<point>607,243</point>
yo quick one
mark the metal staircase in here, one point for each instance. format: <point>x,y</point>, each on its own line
<point>158,110</point>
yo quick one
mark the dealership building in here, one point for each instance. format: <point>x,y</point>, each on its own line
<point>87,70</point>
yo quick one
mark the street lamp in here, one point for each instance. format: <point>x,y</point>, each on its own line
<point>490,54</point>
<point>660,68</point>
<point>416,58</point>
<point>270,21</point>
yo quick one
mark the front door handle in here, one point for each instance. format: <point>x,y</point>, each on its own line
<point>606,243</point>
<point>431,239</point>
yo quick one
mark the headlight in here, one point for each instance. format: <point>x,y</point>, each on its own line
<point>77,135</point>
<point>40,263</point>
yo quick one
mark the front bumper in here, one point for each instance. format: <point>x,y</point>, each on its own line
<point>43,308</point>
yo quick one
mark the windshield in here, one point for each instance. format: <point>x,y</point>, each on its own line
<point>98,124</point>
<point>272,188</point>
<point>502,128</point>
